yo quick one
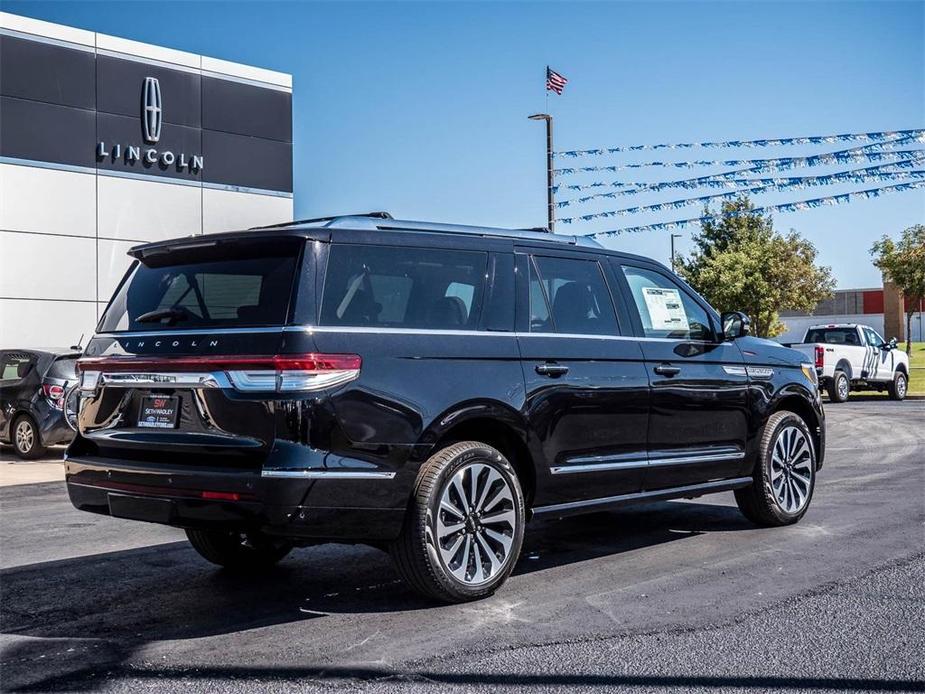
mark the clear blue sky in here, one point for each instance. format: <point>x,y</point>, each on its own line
<point>420,108</point>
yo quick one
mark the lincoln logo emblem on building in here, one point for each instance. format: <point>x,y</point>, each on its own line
<point>152,116</point>
<point>151,109</point>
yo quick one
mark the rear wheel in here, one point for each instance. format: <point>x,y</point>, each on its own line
<point>236,550</point>
<point>897,389</point>
<point>839,387</point>
<point>785,473</point>
<point>465,524</point>
<point>26,438</point>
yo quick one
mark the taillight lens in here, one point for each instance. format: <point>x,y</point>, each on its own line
<point>820,356</point>
<point>54,394</point>
<point>282,373</point>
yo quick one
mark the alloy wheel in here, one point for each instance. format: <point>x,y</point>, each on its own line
<point>901,387</point>
<point>843,387</point>
<point>476,524</point>
<point>792,469</point>
<point>25,436</point>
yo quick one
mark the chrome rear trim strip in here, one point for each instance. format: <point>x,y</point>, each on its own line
<point>331,474</point>
<point>585,464</point>
<point>693,459</point>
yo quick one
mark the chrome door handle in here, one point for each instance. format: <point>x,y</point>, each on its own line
<point>551,370</point>
<point>667,370</point>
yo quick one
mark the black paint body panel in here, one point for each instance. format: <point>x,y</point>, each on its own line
<point>417,390</point>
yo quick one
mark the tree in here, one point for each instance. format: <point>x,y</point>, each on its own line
<point>904,264</point>
<point>742,264</point>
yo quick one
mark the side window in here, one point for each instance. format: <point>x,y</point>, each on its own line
<point>664,308</point>
<point>15,366</point>
<point>383,286</point>
<point>576,296</point>
<point>873,339</point>
<point>539,309</point>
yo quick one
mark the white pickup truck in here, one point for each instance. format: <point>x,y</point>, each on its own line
<point>850,357</point>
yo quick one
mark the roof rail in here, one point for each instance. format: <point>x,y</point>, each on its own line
<point>294,222</point>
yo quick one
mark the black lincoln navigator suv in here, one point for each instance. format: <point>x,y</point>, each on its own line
<point>427,389</point>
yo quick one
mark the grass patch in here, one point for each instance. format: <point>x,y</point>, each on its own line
<point>917,368</point>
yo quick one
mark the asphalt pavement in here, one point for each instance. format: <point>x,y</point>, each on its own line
<point>682,595</point>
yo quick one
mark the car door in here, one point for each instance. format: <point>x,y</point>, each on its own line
<point>880,361</point>
<point>14,367</point>
<point>698,420</point>
<point>586,384</point>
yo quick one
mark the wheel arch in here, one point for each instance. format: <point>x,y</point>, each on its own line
<point>495,424</point>
<point>844,365</point>
<point>799,405</point>
<point>901,367</point>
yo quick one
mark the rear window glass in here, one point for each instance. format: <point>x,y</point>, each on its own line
<point>403,287</point>
<point>834,336</point>
<point>238,288</point>
<point>63,368</point>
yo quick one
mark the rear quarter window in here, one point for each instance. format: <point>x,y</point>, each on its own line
<point>403,287</point>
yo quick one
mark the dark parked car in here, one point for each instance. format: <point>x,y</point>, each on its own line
<point>426,389</point>
<point>33,387</point>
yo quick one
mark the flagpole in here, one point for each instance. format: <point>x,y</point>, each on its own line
<point>550,174</point>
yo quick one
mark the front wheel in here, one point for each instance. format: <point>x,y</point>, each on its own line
<point>238,551</point>
<point>897,389</point>
<point>785,473</point>
<point>465,524</point>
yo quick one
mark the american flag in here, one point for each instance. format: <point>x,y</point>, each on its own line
<point>554,81</point>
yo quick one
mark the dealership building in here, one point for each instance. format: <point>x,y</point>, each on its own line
<point>106,143</point>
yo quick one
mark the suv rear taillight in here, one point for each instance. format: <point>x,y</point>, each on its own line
<point>54,394</point>
<point>282,373</point>
<point>820,356</point>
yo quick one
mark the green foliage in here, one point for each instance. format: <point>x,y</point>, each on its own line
<point>904,264</point>
<point>742,264</point>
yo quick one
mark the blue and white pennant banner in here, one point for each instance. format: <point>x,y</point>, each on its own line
<point>830,200</point>
<point>706,199</point>
<point>841,156</point>
<point>747,186</point>
<point>731,144</point>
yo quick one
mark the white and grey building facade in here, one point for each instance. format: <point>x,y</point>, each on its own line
<point>106,143</point>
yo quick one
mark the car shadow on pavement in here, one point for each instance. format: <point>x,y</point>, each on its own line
<point>92,613</point>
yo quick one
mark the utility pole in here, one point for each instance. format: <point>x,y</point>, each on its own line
<point>550,196</point>
<point>673,237</point>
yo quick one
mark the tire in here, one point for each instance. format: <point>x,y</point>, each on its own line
<point>839,387</point>
<point>26,438</point>
<point>238,551</point>
<point>439,547</point>
<point>897,389</point>
<point>785,473</point>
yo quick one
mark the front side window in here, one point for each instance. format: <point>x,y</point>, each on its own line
<point>665,309</point>
<point>390,287</point>
<point>873,339</point>
<point>568,295</point>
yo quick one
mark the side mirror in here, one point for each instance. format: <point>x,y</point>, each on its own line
<point>887,346</point>
<point>735,324</point>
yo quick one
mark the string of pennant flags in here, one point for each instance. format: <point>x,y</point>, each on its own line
<point>732,144</point>
<point>829,200</point>
<point>732,195</point>
<point>905,159</point>
<point>841,156</point>
<point>880,172</point>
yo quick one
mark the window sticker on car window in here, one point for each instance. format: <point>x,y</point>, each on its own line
<point>665,308</point>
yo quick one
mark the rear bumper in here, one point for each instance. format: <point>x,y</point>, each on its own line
<point>311,508</point>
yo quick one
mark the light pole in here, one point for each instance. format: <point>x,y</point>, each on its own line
<point>673,237</point>
<point>550,197</point>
